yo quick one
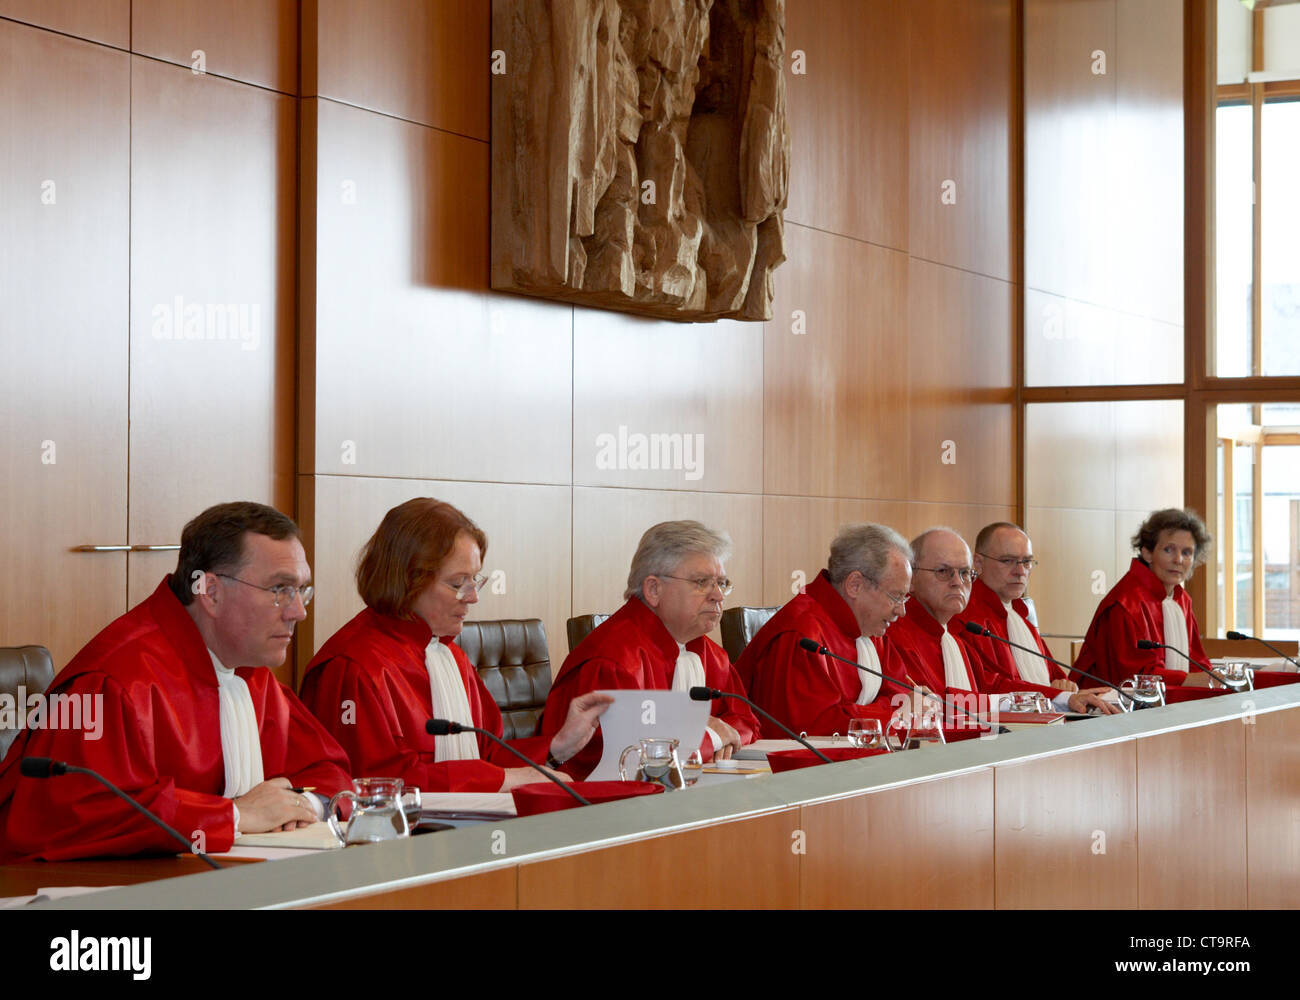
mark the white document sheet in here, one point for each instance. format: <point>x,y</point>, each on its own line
<point>637,714</point>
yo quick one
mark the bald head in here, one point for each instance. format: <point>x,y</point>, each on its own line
<point>940,553</point>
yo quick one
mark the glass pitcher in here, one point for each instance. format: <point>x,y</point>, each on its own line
<point>656,761</point>
<point>377,812</point>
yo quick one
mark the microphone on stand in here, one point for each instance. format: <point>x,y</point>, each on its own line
<point>1242,635</point>
<point>445,727</point>
<point>1151,644</point>
<point>43,767</point>
<point>814,647</point>
<point>708,694</point>
<point>981,630</point>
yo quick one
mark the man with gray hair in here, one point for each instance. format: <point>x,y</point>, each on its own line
<point>847,608</point>
<point>659,639</point>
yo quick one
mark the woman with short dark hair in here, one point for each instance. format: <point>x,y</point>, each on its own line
<point>384,674</point>
<point>1150,603</point>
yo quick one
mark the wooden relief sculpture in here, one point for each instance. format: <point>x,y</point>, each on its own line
<point>640,153</point>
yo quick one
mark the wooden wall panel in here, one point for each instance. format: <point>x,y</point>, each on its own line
<point>1273,809</point>
<point>528,542</point>
<point>961,133</point>
<point>608,524</point>
<point>848,118</point>
<point>832,393</point>
<point>1070,455</point>
<point>107,21</point>
<point>63,282</point>
<point>696,869</point>
<point>212,301</point>
<point>1192,820</point>
<point>425,373</point>
<point>961,439</point>
<point>494,890</point>
<point>633,376</point>
<point>254,41</point>
<point>427,61</point>
<point>1149,454</point>
<point>1077,553</point>
<point>1067,831</point>
<point>923,846</point>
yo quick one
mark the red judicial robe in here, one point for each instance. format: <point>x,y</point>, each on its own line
<point>917,637</point>
<point>368,685</point>
<point>809,692</point>
<point>1132,611</point>
<point>160,742</point>
<point>633,649</point>
<point>986,608</point>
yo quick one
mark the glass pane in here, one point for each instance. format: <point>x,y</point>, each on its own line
<point>1280,468</point>
<point>1243,476</point>
<point>1234,228</point>
<point>1280,247</point>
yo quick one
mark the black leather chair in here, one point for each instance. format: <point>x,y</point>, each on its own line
<point>740,625</point>
<point>579,628</point>
<point>511,658</point>
<point>29,668</point>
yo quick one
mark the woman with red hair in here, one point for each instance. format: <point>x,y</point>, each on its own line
<point>384,674</point>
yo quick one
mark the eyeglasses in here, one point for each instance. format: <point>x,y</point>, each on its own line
<point>282,593</point>
<point>704,584</point>
<point>897,600</point>
<point>1029,562</point>
<point>945,573</point>
<point>471,586</point>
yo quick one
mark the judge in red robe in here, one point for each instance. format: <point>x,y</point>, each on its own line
<point>658,640</point>
<point>201,745</point>
<point>1149,602</point>
<point>847,609</point>
<point>378,680</point>
<point>927,641</point>
<point>1004,558</point>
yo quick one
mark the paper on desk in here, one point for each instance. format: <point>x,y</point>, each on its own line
<point>637,714</point>
<point>759,749</point>
<point>317,837</point>
<point>469,802</point>
<point>54,892</point>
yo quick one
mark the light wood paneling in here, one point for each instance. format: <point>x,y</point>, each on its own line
<point>1067,831</point>
<point>1149,454</point>
<point>834,396</point>
<point>961,380</point>
<point>848,118</point>
<point>1077,549</point>
<point>663,380</point>
<point>608,524</point>
<point>63,378</point>
<point>1273,809</point>
<point>1192,820</point>
<point>528,542</point>
<point>255,41</point>
<point>961,133</point>
<point>427,61</point>
<point>417,366</point>
<point>797,532</point>
<point>923,846</point>
<point>212,301</point>
<point>1070,455</point>
<point>697,869</point>
<point>494,890</point>
<point>107,21</point>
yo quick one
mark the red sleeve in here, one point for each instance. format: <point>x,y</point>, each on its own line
<point>596,674</point>
<point>74,816</point>
<point>1111,651</point>
<point>732,711</point>
<point>382,731</point>
<point>296,746</point>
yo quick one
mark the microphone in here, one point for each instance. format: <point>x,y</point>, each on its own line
<point>445,727</point>
<point>988,634</point>
<point>708,694</point>
<point>1242,635</point>
<point>43,767</point>
<point>813,647</point>
<point>1151,644</point>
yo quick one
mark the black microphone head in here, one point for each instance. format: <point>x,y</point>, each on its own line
<point>40,767</point>
<point>977,629</point>
<point>701,694</point>
<point>810,645</point>
<point>441,727</point>
<point>1147,644</point>
<point>1236,635</point>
